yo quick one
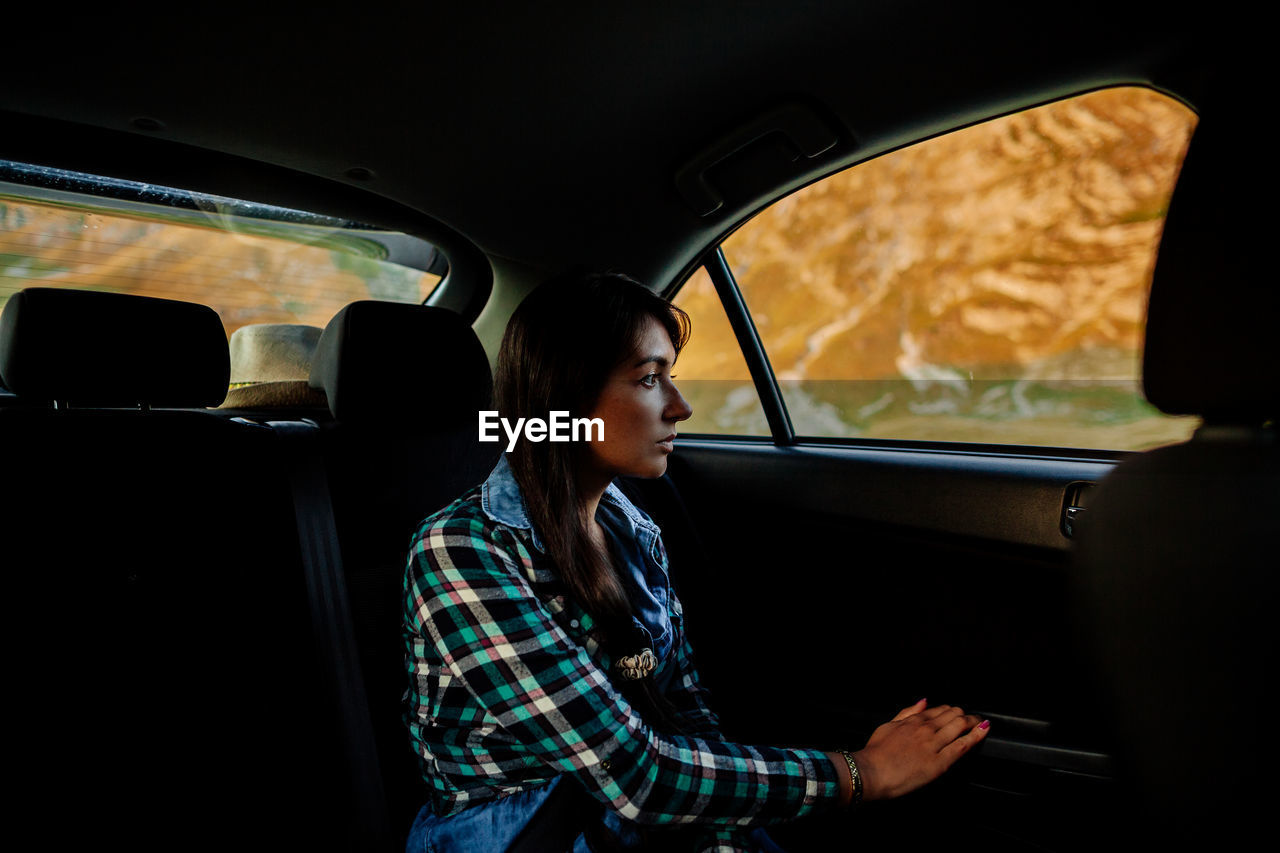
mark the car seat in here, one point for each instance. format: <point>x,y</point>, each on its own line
<point>1178,551</point>
<point>404,385</point>
<point>158,661</point>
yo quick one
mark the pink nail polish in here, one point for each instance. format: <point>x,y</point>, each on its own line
<point>984,725</point>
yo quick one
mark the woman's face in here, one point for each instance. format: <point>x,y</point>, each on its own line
<point>640,408</point>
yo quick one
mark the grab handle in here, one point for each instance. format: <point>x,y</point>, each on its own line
<point>808,135</point>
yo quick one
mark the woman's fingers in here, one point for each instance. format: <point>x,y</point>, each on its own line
<point>958,747</point>
<point>954,727</point>
<point>946,721</point>
<point>940,711</point>
<point>909,711</point>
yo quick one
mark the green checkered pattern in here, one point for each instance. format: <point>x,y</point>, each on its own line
<point>509,690</point>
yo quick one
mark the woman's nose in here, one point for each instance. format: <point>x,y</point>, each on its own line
<point>678,408</point>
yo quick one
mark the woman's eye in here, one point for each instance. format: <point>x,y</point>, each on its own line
<point>650,380</point>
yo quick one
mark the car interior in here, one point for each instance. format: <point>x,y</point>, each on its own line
<point>216,456</point>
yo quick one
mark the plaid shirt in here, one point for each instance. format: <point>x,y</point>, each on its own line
<point>509,686</point>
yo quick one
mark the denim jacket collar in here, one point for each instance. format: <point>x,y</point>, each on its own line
<point>501,500</point>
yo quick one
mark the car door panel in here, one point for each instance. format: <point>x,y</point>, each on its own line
<point>838,584</point>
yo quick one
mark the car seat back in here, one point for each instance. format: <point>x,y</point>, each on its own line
<point>1177,555</point>
<point>157,641</point>
<point>404,384</point>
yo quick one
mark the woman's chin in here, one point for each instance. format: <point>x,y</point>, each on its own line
<point>651,470</point>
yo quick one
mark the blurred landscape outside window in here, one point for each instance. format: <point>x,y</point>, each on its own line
<point>988,285</point>
<point>281,267</point>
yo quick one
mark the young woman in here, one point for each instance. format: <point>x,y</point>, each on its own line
<point>555,705</point>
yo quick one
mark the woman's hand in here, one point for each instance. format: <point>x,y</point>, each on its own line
<point>914,748</point>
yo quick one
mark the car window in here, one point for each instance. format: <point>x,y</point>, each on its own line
<point>711,372</point>
<point>988,285</point>
<point>252,263</point>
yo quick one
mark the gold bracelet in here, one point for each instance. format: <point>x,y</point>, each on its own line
<point>854,775</point>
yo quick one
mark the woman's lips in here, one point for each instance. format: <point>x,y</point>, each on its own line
<point>666,443</point>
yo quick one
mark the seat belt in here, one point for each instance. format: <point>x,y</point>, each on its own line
<point>333,626</point>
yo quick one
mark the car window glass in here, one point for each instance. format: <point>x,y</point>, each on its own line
<point>711,372</point>
<point>988,285</point>
<point>251,263</point>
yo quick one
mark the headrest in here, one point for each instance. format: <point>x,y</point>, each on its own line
<point>1215,300</point>
<point>93,348</point>
<point>408,363</point>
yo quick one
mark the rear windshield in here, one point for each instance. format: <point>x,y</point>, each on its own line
<point>250,262</point>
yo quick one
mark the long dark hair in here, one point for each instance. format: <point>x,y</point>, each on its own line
<point>560,346</point>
